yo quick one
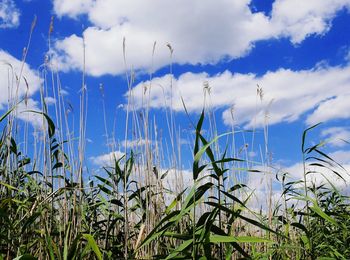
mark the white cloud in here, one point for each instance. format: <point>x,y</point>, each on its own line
<point>337,136</point>
<point>10,68</point>
<point>29,84</point>
<point>177,180</point>
<point>321,175</point>
<point>65,50</point>
<point>341,156</point>
<point>106,159</point>
<point>171,179</point>
<point>50,101</point>
<point>29,111</point>
<point>334,107</point>
<point>197,37</point>
<point>299,19</point>
<point>64,92</point>
<point>9,14</point>
<point>199,31</point>
<point>24,112</point>
<point>293,93</point>
<point>261,182</point>
<point>71,8</point>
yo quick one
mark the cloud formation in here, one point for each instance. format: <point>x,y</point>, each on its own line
<point>200,32</point>
<point>24,113</point>
<point>337,136</point>
<point>321,92</point>
<point>299,19</point>
<point>260,182</point>
<point>107,159</point>
<point>9,14</point>
<point>10,69</point>
<point>72,8</point>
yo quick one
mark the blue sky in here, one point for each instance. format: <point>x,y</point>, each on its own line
<point>298,52</point>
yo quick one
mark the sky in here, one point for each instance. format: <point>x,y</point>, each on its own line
<point>295,54</point>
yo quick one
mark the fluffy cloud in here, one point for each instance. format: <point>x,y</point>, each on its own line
<point>106,159</point>
<point>171,179</point>
<point>334,107</point>
<point>34,119</point>
<point>197,37</point>
<point>9,14</point>
<point>261,182</point>
<point>286,95</point>
<point>321,175</point>
<point>24,87</point>
<point>342,157</point>
<point>177,180</point>
<point>10,69</point>
<point>199,31</point>
<point>337,136</point>
<point>299,19</point>
<point>71,8</point>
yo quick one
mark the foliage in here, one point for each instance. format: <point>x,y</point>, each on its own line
<point>47,214</point>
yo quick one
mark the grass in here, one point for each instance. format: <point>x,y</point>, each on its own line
<point>52,207</point>
<point>49,215</point>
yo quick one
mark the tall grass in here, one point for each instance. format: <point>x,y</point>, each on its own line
<point>52,207</point>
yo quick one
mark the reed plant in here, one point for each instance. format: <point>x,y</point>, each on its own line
<point>53,207</point>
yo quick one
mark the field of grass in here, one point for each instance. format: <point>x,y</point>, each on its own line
<point>53,207</point>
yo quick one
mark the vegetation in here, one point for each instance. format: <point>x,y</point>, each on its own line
<point>46,214</point>
<point>51,207</point>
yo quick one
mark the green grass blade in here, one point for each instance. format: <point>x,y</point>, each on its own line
<point>304,137</point>
<point>315,208</point>
<point>51,126</point>
<point>180,249</point>
<point>6,114</point>
<point>92,243</point>
<point>243,239</point>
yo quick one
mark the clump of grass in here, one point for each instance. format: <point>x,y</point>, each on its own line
<point>208,220</point>
<point>51,207</point>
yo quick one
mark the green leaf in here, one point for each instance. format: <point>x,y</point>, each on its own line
<point>8,186</point>
<point>196,193</point>
<point>105,181</point>
<point>160,228</point>
<point>50,245</point>
<point>51,126</point>
<point>258,224</point>
<point>57,165</point>
<point>117,202</point>
<point>244,239</point>
<point>176,235</point>
<point>304,137</point>
<point>180,249</point>
<point>196,146</point>
<point>65,248</point>
<point>205,149</point>
<point>301,226</point>
<point>7,113</point>
<point>174,202</point>
<point>105,190</point>
<point>323,215</point>
<point>93,245</point>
